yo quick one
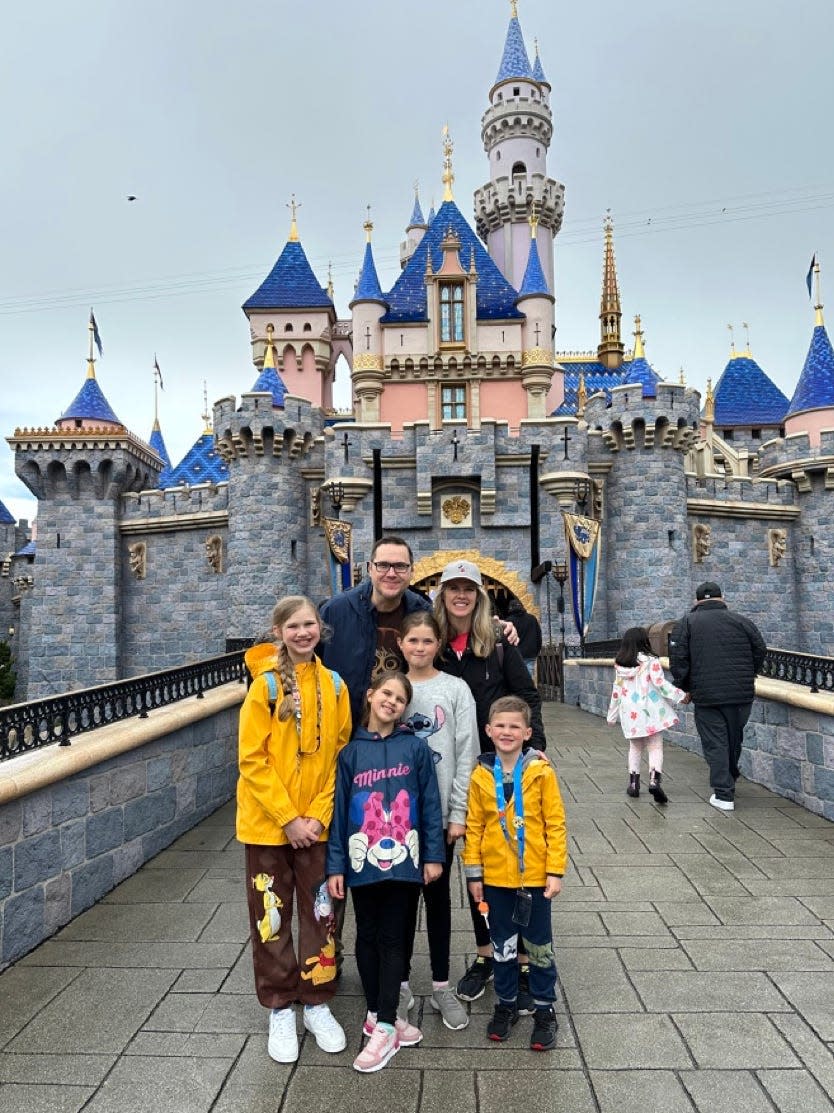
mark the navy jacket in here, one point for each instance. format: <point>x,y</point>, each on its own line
<point>715,654</point>
<point>352,649</point>
<point>387,819</point>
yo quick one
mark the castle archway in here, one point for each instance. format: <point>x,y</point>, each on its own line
<point>500,582</point>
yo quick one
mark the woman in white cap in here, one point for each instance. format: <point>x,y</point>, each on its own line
<point>475,650</point>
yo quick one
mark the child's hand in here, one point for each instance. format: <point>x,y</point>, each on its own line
<point>552,887</point>
<point>336,886</point>
<point>316,827</point>
<point>454,832</point>
<point>298,833</point>
<point>476,889</point>
<point>431,872</point>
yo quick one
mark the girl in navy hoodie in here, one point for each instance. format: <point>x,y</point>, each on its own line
<point>386,840</point>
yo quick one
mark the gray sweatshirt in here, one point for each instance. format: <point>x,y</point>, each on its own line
<point>443,713</point>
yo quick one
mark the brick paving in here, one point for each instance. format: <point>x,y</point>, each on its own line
<point>695,950</point>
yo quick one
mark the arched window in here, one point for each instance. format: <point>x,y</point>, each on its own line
<point>308,327</point>
<point>451,313</point>
<point>287,328</point>
<point>519,170</point>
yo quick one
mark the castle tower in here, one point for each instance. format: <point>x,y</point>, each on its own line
<point>516,131</point>
<point>536,302</point>
<point>367,307</point>
<point>78,470</point>
<point>610,350</point>
<point>157,441</point>
<point>812,407</point>
<point>415,230</point>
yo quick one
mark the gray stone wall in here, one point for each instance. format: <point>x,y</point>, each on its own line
<point>787,749</point>
<point>63,847</point>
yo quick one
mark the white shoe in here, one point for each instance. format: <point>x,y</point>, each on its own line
<point>405,1002</point>
<point>283,1038</point>
<point>330,1035</point>
<point>722,805</point>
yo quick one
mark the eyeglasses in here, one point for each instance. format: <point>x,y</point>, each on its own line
<point>383,566</point>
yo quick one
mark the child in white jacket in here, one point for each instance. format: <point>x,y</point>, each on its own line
<point>642,700</point>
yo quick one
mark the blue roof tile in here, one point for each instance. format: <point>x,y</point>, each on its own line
<point>201,464</point>
<point>157,443</point>
<point>515,61</point>
<point>641,371</point>
<point>90,405</point>
<point>815,389</point>
<point>6,517</point>
<point>534,281</point>
<point>290,284</point>
<point>432,215</point>
<point>417,219</point>
<point>368,287</point>
<point>30,549</point>
<point>745,395</point>
<point>538,70</point>
<point>496,298</point>
<point>597,378</point>
<point>270,382</point>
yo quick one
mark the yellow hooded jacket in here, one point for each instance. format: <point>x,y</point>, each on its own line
<point>487,856</point>
<point>276,783</point>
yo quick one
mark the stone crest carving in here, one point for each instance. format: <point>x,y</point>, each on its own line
<point>701,542</point>
<point>777,545</point>
<point>138,559</point>
<point>214,552</point>
<point>457,510</point>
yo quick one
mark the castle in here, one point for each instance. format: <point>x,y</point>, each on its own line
<point>469,434</point>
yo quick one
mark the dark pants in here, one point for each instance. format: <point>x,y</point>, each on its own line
<point>277,876</point>
<point>385,912</point>
<point>507,938</point>
<point>438,901</point>
<point>721,730</point>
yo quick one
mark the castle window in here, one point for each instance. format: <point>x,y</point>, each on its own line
<point>756,434</point>
<point>451,313</point>
<point>453,403</point>
<point>519,169</point>
<point>287,328</point>
<point>727,434</point>
<point>497,156</point>
<point>308,327</point>
<point>516,91</point>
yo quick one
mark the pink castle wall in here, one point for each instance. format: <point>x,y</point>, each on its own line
<point>504,402</point>
<point>812,423</point>
<point>403,402</point>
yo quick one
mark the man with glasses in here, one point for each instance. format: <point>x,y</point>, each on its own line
<point>366,620</point>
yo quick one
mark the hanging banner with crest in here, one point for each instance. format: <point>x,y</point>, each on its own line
<point>583,538</point>
<point>338,537</point>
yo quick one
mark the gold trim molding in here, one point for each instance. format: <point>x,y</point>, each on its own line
<point>495,569</point>
<point>367,361</point>
<point>537,357</point>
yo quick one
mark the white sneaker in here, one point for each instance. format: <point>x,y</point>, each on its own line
<point>405,1002</point>
<point>283,1038</point>
<point>330,1035</point>
<point>722,805</point>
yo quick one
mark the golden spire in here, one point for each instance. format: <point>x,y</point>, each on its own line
<point>639,350</point>
<point>581,395</point>
<point>746,328</point>
<point>733,352</point>
<point>293,206</point>
<point>533,221</point>
<point>709,404</point>
<point>269,354</point>
<point>206,416</point>
<point>331,289</point>
<point>448,172</point>
<point>514,9</point>
<point>682,379</point>
<point>611,348</point>
<point>818,318</point>
<point>368,226</point>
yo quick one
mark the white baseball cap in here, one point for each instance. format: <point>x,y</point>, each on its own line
<point>462,570</point>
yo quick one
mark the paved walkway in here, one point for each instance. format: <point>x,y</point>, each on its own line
<point>695,950</point>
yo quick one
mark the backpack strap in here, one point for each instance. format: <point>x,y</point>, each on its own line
<point>337,682</point>
<point>272,690</point>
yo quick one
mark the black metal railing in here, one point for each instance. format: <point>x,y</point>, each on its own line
<point>58,719</point>
<point>816,673</point>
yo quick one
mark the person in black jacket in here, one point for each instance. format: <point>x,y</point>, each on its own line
<point>714,655</point>
<point>473,649</point>
<point>529,633</point>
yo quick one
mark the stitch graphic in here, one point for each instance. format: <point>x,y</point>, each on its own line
<point>385,838</point>
<point>424,728</point>
<point>270,924</point>
<point>508,952</point>
<point>323,964</point>
<point>540,954</point>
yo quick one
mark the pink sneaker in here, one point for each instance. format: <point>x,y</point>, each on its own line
<point>369,1024</point>
<point>381,1047</point>
<point>407,1034</point>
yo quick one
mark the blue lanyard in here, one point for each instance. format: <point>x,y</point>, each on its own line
<point>518,802</point>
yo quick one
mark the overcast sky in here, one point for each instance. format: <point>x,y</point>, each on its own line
<point>705,128</point>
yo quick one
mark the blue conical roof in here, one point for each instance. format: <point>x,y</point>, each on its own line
<point>641,371</point>
<point>534,281</point>
<point>201,464</point>
<point>746,396</point>
<point>90,405</point>
<point>515,61</point>
<point>6,517</point>
<point>368,287</point>
<point>157,443</point>
<point>417,219</point>
<point>406,300</point>
<point>270,382</point>
<point>538,70</point>
<point>291,284</point>
<point>815,389</point>
<point>431,215</point>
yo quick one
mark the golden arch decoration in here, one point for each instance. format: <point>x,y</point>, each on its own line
<point>430,567</point>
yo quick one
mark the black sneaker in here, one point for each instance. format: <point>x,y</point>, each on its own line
<point>524,1001</point>
<point>475,980</point>
<point>503,1019</point>
<point>545,1026</point>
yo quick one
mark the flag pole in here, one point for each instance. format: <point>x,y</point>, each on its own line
<point>818,301</point>
<point>91,363</point>
<point>155,392</point>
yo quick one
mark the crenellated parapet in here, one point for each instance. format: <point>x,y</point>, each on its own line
<point>741,497</point>
<point>102,462</point>
<point>257,428</point>
<point>186,507</point>
<point>626,420</point>
<point>794,457</point>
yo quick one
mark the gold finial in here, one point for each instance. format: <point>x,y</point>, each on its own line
<point>732,341</point>
<point>682,379</point>
<point>331,289</point>
<point>514,9</point>
<point>581,395</point>
<point>639,350</point>
<point>709,404</point>
<point>91,362</point>
<point>536,45</point>
<point>206,416</point>
<point>533,221</point>
<point>269,354</point>
<point>746,328</point>
<point>368,226</point>
<point>448,172</point>
<point>818,318</point>
<point>293,206</point>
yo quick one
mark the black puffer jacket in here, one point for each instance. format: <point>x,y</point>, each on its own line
<point>714,654</point>
<point>503,673</point>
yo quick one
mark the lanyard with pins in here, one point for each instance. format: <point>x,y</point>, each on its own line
<point>518,802</point>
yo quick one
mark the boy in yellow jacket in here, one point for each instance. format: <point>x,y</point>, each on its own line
<point>515,858</point>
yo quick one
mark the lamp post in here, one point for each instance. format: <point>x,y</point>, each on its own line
<point>560,575</point>
<point>337,497</point>
<point>581,491</point>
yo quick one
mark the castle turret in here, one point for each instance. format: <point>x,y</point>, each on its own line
<point>415,230</point>
<point>78,470</point>
<point>516,131</point>
<point>610,350</point>
<point>367,307</point>
<point>536,302</point>
<point>812,407</point>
